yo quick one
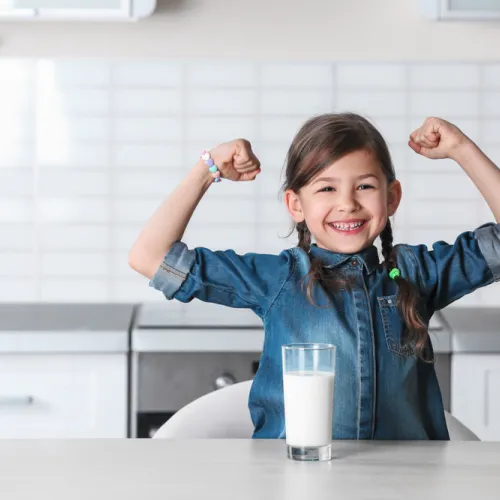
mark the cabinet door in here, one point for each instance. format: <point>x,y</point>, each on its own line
<point>75,9</point>
<point>475,383</point>
<point>63,396</point>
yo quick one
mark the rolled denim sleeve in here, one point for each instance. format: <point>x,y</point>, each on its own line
<point>450,271</point>
<point>222,277</point>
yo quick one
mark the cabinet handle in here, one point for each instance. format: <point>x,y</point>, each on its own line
<point>16,400</point>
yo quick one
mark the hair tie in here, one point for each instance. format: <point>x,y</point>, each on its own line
<point>394,273</point>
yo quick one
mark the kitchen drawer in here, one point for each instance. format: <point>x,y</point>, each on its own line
<point>63,396</point>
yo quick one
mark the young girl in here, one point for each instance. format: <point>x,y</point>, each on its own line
<point>340,190</point>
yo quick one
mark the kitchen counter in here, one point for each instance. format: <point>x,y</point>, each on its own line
<point>55,328</point>
<point>246,469</point>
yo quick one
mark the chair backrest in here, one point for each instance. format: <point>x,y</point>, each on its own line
<point>224,414</point>
<point>219,414</point>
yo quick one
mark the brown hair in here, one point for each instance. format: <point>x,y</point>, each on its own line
<point>321,141</point>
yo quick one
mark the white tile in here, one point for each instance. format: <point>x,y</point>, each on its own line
<point>146,102</point>
<point>280,129</point>
<point>444,76</point>
<point>393,130</point>
<point>490,104</point>
<point>220,129</point>
<point>79,237</point>
<point>222,102</point>
<point>296,75</point>
<point>90,210</point>
<point>16,182</point>
<point>451,186</point>
<point>142,183</point>
<point>272,156</point>
<point>400,157</point>
<point>274,238</point>
<point>18,264</point>
<point>17,237</point>
<point>148,129</point>
<point>17,155</point>
<point>273,212</point>
<point>221,236</point>
<point>54,181</point>
<point>15,130</point>
<point>242,189</point>
<point>59,129</point>
<point>445,104</point>
<point>269,184</point>
<point>372,103</point>
<point>134,211</point>
<point>491,132</point>
<point>16,210</point>
<point>235,211</point>
<point>491,76</point>
<point>72,154</point>
<point>75,290</point>
<point>15,100</point>
<point>473,299</point>
<point>124,236</point>
<point>61,102</point>
<point>490,295</point>
<point>147,156</point>
<point>296,102</point>
<point>77,72</point>
<point>419,163</point>
<point>146,73</point>
<point>460,214</point>
<point>18,290</point>
<point>17,71</point>
<point>138,290</point>
<point>75,264</point>
<point>222,74</point>
<point>120,268</point>
<point>373,76</point>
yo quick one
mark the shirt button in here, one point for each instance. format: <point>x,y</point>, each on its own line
<point>354,263</point>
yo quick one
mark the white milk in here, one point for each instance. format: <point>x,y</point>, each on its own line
<point>308,407</point>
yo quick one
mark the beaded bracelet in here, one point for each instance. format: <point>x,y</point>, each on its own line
<point>212,168</point>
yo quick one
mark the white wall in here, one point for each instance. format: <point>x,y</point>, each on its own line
<point>283,29</point>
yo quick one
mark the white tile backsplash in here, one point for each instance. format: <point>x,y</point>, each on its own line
<point>296,102</point>
<point>284,75</point>
<point>444,76</point>
<point>90,148</point>
<point>222,102</point>
<point>372,103</point>
<point>371,76</point>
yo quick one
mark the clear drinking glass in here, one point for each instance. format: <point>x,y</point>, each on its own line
<point>308,382</point>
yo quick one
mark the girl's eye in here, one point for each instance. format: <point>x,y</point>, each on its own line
<point>327,189</point>
<point>365,186</point>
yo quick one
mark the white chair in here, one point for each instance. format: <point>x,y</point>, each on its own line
<point>224,414</point>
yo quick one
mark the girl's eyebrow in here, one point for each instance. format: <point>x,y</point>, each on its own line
<point>336,179</point>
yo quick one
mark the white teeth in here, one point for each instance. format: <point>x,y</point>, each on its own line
<point>347,227</point>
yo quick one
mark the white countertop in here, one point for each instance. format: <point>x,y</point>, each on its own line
<point>246,469</point>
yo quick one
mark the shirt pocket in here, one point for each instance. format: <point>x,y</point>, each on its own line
<point>394,327</point>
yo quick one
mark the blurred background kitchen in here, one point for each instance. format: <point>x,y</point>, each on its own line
<point>105,104</point>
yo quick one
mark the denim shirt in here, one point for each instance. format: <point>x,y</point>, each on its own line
<point>382,389</point>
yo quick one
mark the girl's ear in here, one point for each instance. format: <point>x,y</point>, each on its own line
<point>294,206</point>
<point>394,197</point>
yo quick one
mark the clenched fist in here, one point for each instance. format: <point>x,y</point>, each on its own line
<point>236,160</point>
<point>437,138</point>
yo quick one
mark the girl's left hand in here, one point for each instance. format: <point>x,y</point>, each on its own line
<point>437,138</point>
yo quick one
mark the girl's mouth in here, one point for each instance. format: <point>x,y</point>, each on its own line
<point>349,227</point>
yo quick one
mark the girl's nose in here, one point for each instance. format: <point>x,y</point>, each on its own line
<point>347,203</point>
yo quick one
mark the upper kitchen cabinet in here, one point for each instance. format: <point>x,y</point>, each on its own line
<point>461,10</point>
<point>76,10</point>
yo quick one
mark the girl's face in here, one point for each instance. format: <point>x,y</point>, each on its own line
<point>346,205</point>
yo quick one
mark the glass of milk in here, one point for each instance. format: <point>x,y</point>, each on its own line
<point>308,382</point>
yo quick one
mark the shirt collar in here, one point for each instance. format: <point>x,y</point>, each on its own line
<point>368,258</point>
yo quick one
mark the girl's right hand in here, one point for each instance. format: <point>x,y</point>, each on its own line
<point>236,160</point>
